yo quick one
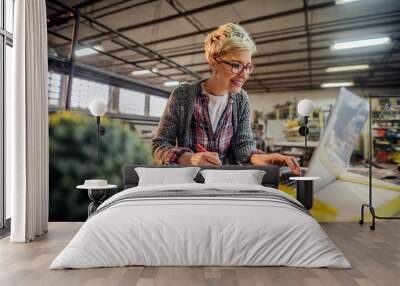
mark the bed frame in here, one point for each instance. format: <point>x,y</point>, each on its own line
<point>271,178</point>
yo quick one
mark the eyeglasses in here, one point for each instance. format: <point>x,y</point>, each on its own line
<point>237,68</point>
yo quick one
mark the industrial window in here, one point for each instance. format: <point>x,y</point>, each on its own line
<point>131,102</point>
<point>157,105</point>
<point>54,88</point>
<point>84,91</point>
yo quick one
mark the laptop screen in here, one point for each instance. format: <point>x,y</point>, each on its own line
<point>332,156</point>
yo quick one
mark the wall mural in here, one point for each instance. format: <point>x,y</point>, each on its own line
<point>337,196</point>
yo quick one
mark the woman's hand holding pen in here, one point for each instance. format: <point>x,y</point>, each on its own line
<point>206,158</point>
<point>202,157</point>
<point>277,159</point>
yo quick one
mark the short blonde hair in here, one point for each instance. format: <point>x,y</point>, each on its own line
<point>227,37</point>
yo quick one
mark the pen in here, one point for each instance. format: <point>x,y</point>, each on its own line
<point>200,148</point>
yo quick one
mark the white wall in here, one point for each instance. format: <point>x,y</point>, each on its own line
<point>322,98</point>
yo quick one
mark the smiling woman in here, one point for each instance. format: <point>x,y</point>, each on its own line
<point>228,51</point>
<point>208,122</point>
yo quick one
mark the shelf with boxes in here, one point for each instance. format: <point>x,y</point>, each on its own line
<point>386,141</point>
<point>282,129</point>
<point>386,134</point>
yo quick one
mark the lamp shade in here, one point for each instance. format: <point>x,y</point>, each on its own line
<point>98,107</point>
<point>305,107</point>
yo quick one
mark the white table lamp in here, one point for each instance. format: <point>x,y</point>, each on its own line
<point>305,109</point>
<point>98,108</point>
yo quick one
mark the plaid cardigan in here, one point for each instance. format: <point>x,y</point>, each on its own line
<point>172,137</point>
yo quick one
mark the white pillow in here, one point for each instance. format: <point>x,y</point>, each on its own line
<point>249,177</point>
<point>165,176</point>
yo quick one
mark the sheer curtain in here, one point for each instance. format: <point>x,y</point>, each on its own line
<point>27,123</point>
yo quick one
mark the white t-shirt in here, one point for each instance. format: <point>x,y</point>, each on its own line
<point>216,106</point>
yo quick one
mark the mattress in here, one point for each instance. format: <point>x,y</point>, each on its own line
<point>201,225</point>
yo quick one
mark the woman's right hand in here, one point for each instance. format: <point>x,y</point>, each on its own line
<point>200,159</point>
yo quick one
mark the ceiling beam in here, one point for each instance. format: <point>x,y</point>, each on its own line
<point>200,51</point>
<point>100,37</point>
<point>129,40</point>
<point>368,55</point>
<point>334,23</point>
<point>374,25</point>
<point>164,19</point>
<point>82,4</point>
<point>308,37</point>
<point>282,31</point>
<point>385,59</point>
<point>176,55</point>
<point>174,6</point>
<point>303,70</point>
<point>126,62</point>
<point>256,56</point>
<point>109,12</point>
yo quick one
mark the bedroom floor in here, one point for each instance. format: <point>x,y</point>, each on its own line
<point>375,257</point>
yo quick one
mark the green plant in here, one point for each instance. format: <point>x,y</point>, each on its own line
<point>73,158</point>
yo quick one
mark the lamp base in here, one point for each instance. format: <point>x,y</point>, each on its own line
<point>304,130</point>
<point>102,130</point>
<point>96,196</point>
<point>305,193</point>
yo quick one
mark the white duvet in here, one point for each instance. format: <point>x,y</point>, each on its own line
<point>200,231</point>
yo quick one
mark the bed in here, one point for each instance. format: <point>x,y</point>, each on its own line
<point>198,224</point>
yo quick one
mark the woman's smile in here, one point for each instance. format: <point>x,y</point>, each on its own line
<point>237,82</point>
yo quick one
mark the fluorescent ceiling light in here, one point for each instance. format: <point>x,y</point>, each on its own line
<point>337,84</point>
<point>361,43</point>
<point>87,51</point>
<point>141,72</point>
<point>339,2</point>
<point>171,83</point>
<point>347,68</point>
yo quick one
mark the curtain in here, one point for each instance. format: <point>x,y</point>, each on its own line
<point>27,123</point>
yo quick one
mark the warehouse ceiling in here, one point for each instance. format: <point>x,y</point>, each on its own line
<point>293,39</point>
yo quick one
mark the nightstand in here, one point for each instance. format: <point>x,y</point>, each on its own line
<point>304,190</point>
<point>96,192</point>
